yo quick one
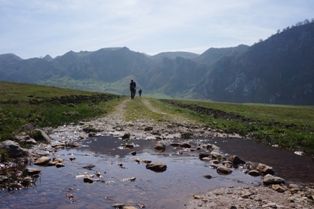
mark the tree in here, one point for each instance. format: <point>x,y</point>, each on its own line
<point>306,21</point>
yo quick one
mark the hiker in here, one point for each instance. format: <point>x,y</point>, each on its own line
<point>132,89</point>
<point>140,92</point>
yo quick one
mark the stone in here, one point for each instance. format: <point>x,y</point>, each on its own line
<point>59,165</point>
<point>128,207</point>
<point>250,165</point>
<point>270,179</point>
<point>31,141</point>
<point>70,196</point>
<point>246,195</point>
<point>278,188</point>
<point>147,161</point>
<point>217,156</point>
<point>59,160</point>
<point>118,205</point>
<point>223,170</point>
<point>214,166</point>
<point>90,129</point>
<point>160,146</point>
<point>254,173</point>
<point>203,155</point>
<point>126,136</point>
<point>32,171</point>
<point>13,148</point>
<point>149,128</point>
<point>27,181</point>
<point>89,167</point>
<point>207,176</point>
<point>138,160</point>
<point>197,197</point>
<point>51,163</point>
<point>129,179</point>
<point>88,180</point>
<point>72,159</point>
<point>28,127</point>
<point>265,169</point>
<point>42,160</point>
<point>21,137</point>
<point>3,178</point>
<point>185,145</point>
<point>129,146</point>
<point>208,146</point>
<point>236,160</point>
<point>133,153</point>
<point>57,145</point>
<point>73,144</point>
<point>228,164</point>
<point>141,205</point>
<point>156,132</point>
<point>44,135</point>
<point>157,167</point>
<point>209,159</point>
<point>293,186</point>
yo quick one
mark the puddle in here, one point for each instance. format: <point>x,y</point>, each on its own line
<point>168,189</point>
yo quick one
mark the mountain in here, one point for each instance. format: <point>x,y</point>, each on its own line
<point>174,55</point>
<point>48,57</point>
<point>211,55</point>
<point>278,70</point>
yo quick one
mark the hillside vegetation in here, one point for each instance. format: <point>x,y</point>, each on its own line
<point>278,70</point>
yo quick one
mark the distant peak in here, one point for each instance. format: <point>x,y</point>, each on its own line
<point>48,57</point>
<point>10,56</point>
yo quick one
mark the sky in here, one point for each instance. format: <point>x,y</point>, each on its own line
<point>35,28</point>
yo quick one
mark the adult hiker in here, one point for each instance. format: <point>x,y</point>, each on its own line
<point>140,92</point>
<point>132,89</point>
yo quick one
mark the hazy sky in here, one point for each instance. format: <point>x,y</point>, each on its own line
<point>34,28</point>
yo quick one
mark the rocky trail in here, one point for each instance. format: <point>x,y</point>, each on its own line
<point>274,193</point>
<point>175,126</point>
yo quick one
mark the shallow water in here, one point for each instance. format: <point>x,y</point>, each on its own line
<point>183,177</point>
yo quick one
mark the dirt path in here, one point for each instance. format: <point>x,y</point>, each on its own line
<point>174,126</point>
<point>171,126</point>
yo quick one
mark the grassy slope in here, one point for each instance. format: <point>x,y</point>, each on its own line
<point>45,106</point>
<point>290,127</point>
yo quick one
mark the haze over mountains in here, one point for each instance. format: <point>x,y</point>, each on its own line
<point>278,70</point>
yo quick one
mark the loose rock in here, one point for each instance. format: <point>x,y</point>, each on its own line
<point>157,167</point>
<point>13,148</point>
<point>160,146</point>
<point>270,179</point>
<point>236,160</point>
<point>223,170</point>
<point>42,160</point>
<point>32,171</point>
<point>265,169</point>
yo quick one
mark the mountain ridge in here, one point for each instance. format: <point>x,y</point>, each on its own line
<point>276,70</point>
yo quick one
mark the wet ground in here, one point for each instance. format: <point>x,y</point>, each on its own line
<point>65,188</point>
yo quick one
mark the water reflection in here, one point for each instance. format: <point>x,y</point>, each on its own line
<point>184,175</point>
<point>292,167</point>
